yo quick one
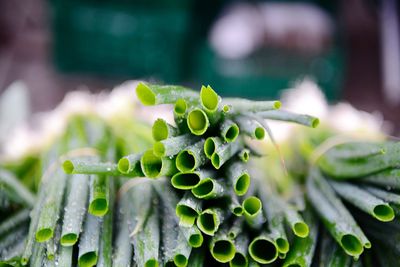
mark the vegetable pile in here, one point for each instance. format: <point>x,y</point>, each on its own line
<point>202,194</point>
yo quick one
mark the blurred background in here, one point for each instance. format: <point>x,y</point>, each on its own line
<point>241,48</point>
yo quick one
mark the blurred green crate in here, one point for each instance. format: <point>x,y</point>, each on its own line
<point>267,72</point>
<point>122,38</point>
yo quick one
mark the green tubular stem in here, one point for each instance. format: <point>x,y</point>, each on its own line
<point>99,195</point>
<point>240,106</point>
<point>335,216</point>
<point>130,165</point>
<point>197,121</point>
<point>240,258</point>
<point>64,257</point>
<point>345,169</point>
<point>106,246</point>
<point>152,94</point>
<point>384,195</point>
<point>295,221</point>
<point>146,242</point>
<point>250,127</point>
<point>197,258</point>
<point>9,182</point>
<point>89,242</point>
<point>244,155</point>
<point>302,251</point>
<point>13,221</point>
<point>222,248</point>
<point>239,178</point>
<point>122,246</point>
<point>236,229</point>
<point>162,130</point>
<point>75,209</point>
<point>50,211</point>
<point>188,209</point>
<point>234,206</point>
<point>180,108</point>
<point>10,239</point>
<point>273,210</point>
<point>82,166</point>
<point>332,254</point>
<point>224,152</point>
<point>210,102</point>
<point>252,210</point>
<point>210,220</point>
<point>169,200</point>
<point>154,166</point>
<point>210,146</point>
<point>176,248</point>
<point>364,200</point>
<point>387,178</point>
<point>188,180</point>
<point>209,188</point>
<point>191,157</point>
<point>263,250</point>
<point>229,130</point>
<point>173,145</point>
<point>357,150</point>
<point>138,205</point>
<point>282,115</point>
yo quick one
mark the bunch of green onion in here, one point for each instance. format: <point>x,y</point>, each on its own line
<point>195,198</point>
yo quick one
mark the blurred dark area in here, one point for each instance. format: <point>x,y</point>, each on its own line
<point>241,48</point>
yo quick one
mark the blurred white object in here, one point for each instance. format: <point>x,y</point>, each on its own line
<point>243,28</point>
<point>390,45</point>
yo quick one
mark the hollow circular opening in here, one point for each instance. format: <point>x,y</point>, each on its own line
<point>185,181</point>
<point>151,263</point>
<point>301,229</point>
<point>239,260</point>
<point>259,133</point>
<point>283,245</point>
<point>215,160</point>
<point>207,223</point>
<point>209,98</point>
<point>197,122</point>
<point>232,133</point>
<point>69,240</point>
<point>88,259</point>
<point>384,213</point>
<point>238,211</point>
<point>263,251</point>
<point>98,207</point>
<point>151,164</point>
<point>351,244</point>
<point>159,130</point>
<point>187,215</point>
<point>242,184</point>
<point>44,234</point>
<point>196,240</point>
<point>180,107</point>
<point>209,147</point>
<point>145,95</point>
<point>124,165</point>
<point>68,167</point>
<point>315,123</point>
<point>252,205</point>
<point>223,251</point>
<point>204,188</point>
<point>180,260</point>
<point>245,155</point>
<point>185,161</point>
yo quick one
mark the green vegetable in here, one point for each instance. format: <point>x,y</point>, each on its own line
<point>263,250</point>
<point>99,195</point>
<point>282,115</point>
<point>188,209</point>
<point>222,248</point>
<point>253,212</point>
<point>364,200</point>
<point>152,94</point>
<point>89,166</point>
<point>14,189</point>
<point>188,180</point>
<point>241,106</point>
<point>210,220</point>
<point>191,157</point>
<point>239,177</point>
<point>154,166</point>
<point>224,152</point>
<point>130,165</point>
<point>240,259</point>
<point>209,188</point>
<point>162,130</point>
<point>210,146</point>
<point>89,241</point>
<point>75,209</point>
<point>197,121</point>
<point>250,127</point>
<point>173,145</point>
<point>229,130</point>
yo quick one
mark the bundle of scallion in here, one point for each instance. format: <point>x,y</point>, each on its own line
<point>195,198</point>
